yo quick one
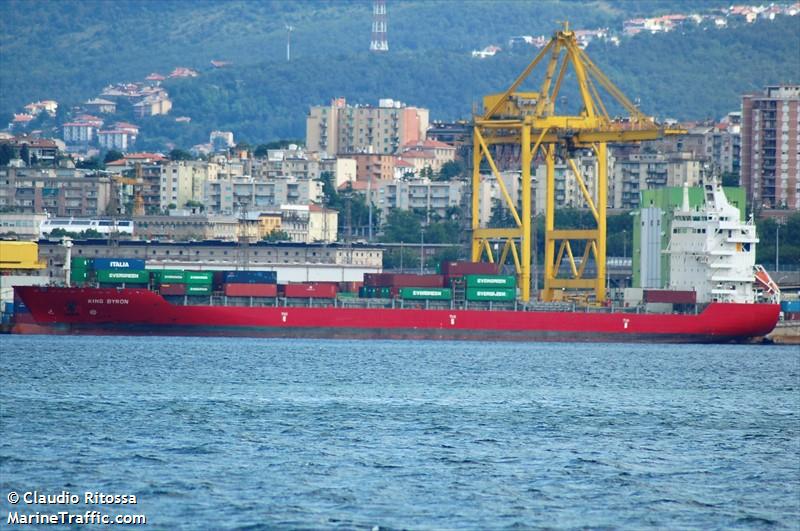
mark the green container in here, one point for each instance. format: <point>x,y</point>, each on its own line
<point>347,295</point>
<point>491,294</point>
<point>169,276</point>
<point>198,277</point>
<point>437,294</point>
<point>491,281</point>
<point>198,289</point>
<point>118,276</point>
<point>78,275</point>
<point>80,263</point>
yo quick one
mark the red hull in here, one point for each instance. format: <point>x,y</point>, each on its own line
<point>140,312</point>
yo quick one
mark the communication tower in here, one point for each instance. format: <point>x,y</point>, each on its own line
<point>379,41</point>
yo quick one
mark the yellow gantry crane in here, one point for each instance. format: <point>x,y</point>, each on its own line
<point>529,120</point>
<point>137,182</point>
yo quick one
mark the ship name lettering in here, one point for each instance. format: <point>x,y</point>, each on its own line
<point>116,301</point>
<point>95,301</point>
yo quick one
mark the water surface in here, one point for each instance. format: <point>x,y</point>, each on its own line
<point>252,433</point>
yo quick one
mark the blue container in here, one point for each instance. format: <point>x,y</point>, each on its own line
<point>790,306</point>
<point>19,306</point>
<point>118,263</point>
<point>251,277</point>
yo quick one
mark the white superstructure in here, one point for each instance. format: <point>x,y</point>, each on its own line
<point>711,250</point>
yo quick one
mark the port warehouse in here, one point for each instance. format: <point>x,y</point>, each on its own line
<point>294,262</point>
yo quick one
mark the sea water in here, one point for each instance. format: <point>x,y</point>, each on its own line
<point>254,433</point>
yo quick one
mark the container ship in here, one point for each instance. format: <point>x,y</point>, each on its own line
<point>712,299</point>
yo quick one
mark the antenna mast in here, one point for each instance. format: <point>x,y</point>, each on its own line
<point>289,30</point>
<point>379,42</point>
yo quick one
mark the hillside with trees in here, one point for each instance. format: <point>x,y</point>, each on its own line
<point>695,72</point>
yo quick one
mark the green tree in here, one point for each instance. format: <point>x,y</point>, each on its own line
<point>402,226</point>
<point>329,191</point>
<point>6,154</point>
<point>501,216</point>
<point>180,154</point>
<point>25,153</point>
<point>90,164</point>
<point>112,155</point>
<point>730,179</point>
<point>195,204</point>
<point>261,151</point>
<point>277,235</point>
<point>450,170</point>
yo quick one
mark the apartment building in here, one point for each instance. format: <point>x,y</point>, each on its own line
<point>309,223</point>
<point>342,128</point>
<point>57,191</point>
<point>770,152</point>
<point>636,172</point>
<point>229,196</point>
<point>185,180</point>
<point>432,197</point>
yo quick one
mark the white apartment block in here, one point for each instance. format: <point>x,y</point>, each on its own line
<point>228,196</point>
<point>309,223</point>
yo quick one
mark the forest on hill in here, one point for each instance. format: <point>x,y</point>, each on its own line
<point>70,50</point>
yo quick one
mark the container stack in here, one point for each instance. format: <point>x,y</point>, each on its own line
<point>490,287</point>
<point>120,272</point>
<point>388,285</point>
<point>79,270</point>
<point>170,281</point>
<point>250,284</point>
<point>198,283</point>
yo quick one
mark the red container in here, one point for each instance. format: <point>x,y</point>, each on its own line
<point>172,289</point>
<point>670,296</point>
<point>311,289</point>
<point>251,290</point>
<point>459,269</point>
<point>394,280</point>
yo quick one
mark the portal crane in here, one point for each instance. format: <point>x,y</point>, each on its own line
<point>136,182</point>
<point>529,120</point>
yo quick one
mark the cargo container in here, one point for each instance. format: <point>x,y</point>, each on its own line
<point>127,276</point>
<point>80,262</point>
<point>440,294</point>
<point>459,269</point>
<point>118,263</point>
<point>490,281</point>
<point>491,294</point>
<point>198,277</point>
<point>670,296</point>
<point>373,292</point>
<point>310,289</point>
<point>347,295</point>
<point>198,289</point>
<point>250,290</point>
<point>78,275</point>
<point>172,289</point>
<point>396,280</point>
<point>790,306</point>
<point>351,287</point>
<point>169,276</point>
<point>251,277</point>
